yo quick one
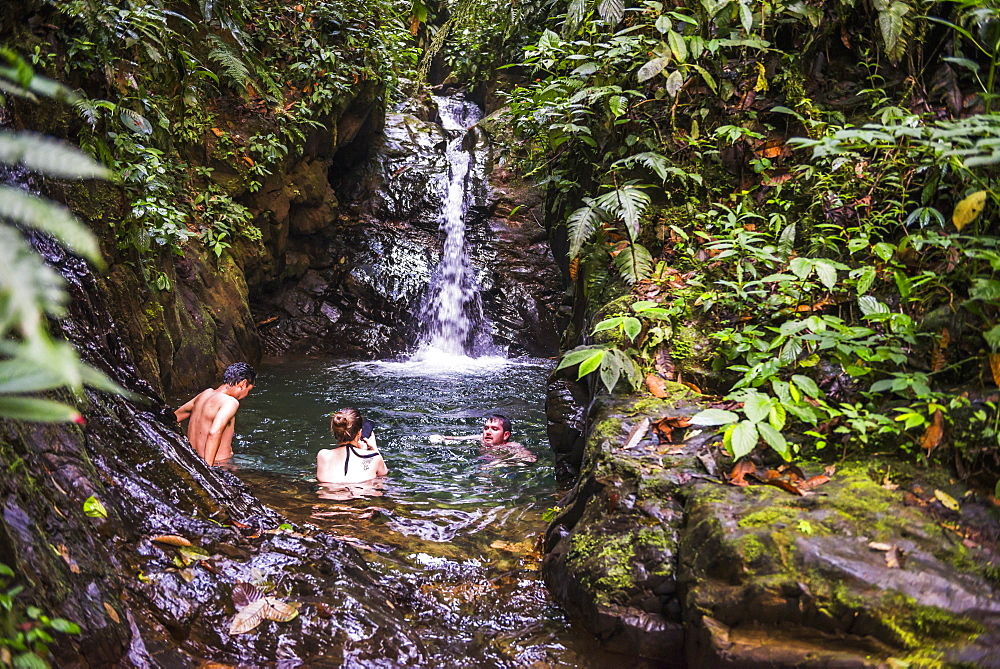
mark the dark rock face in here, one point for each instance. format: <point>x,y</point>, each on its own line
<point>357,286</point>
<point>143,602</point>
<point>658,558</point>
<point>566,405</point>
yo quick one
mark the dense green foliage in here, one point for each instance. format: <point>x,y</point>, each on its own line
<point>825,234</point>
<point>197,103</point>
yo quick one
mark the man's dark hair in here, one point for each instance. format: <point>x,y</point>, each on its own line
<point>238,371</point>
<point>503,420</point>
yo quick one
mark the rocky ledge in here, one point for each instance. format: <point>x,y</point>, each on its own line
<point>660,555</point>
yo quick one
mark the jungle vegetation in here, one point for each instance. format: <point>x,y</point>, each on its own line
<point>810,185</point>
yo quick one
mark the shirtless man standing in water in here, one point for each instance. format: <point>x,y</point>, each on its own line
<point>212,412</point>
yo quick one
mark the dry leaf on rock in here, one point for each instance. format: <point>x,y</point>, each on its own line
<point>656,386</point>
<point>172,540</point>
<point>879,546</point>
<point>266,608</point>
<point>895,557</point>
<point>738,475</point>
<point>112,613</point>
<point>244,593</point>
<point>636,434</point>
<point>814,482</point>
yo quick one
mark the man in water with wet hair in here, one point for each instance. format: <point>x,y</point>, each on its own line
<point>495,440</point>
<point>212,413</point>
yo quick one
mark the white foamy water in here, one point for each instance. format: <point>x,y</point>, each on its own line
<point>434,362</point>
<point>452,313</point>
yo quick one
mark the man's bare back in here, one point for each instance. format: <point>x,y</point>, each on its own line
<point>211,413</point>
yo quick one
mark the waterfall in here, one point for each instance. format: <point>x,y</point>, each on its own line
<point>452,316</point>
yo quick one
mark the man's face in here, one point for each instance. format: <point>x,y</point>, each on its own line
<point>244,387</point>
<point>493,433</point>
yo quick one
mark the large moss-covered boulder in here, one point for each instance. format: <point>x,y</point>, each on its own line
<point>659,556</point>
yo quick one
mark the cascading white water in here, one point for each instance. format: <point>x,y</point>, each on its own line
<point>452,315</point>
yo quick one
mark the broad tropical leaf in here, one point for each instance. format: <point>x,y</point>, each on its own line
<point>652,68</point>
<point>743,438</point>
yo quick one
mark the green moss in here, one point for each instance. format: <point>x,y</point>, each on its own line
<point>775,515</point>
<point>921,627</point>
<point>656,538</point>
<point>750,548</point>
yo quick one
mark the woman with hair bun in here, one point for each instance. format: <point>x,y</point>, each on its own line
<point>346,463</point>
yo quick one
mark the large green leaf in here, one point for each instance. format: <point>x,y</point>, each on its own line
<point>756,406</point>
<point>591,363</point>
<point>577,355</point>
<point>711,417</point>
<point>653,68</point>
<point>744,438</point>
<point>50,156</point>
<point>51,218</point>
<point>775,440</point>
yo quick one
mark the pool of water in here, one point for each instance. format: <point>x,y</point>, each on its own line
<point>461,529</point>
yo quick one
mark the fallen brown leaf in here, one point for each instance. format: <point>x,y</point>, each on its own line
<point>112,613</point>
<point>738,475</point>
<point>895,557</point>
<point>784,485</point>
<point>934,433</point>
<point>995,367</point>
<point>814,482</point>
<point>172,540</point>
<point>879,546</point>
<point>656,386</point>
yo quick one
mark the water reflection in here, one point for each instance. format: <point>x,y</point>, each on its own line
<point>460,528</point>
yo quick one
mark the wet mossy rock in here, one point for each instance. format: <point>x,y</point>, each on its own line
<point>658,558</point>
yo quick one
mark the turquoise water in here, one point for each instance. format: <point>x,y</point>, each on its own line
<point>461,531</point>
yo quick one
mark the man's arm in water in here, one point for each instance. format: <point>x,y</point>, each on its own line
<point>220,422</point>
<point>441,438</point>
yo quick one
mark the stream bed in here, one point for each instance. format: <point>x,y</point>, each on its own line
<point>458,527</point>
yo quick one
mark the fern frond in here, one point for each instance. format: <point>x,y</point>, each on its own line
<point>626,203</point>
<point>581,225</point>
<point>634,263</point>
<point>611,11</point>
<point>18,206</point>
<point>896,25</point>
<point>231,64</point>
<point>659,164</point>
